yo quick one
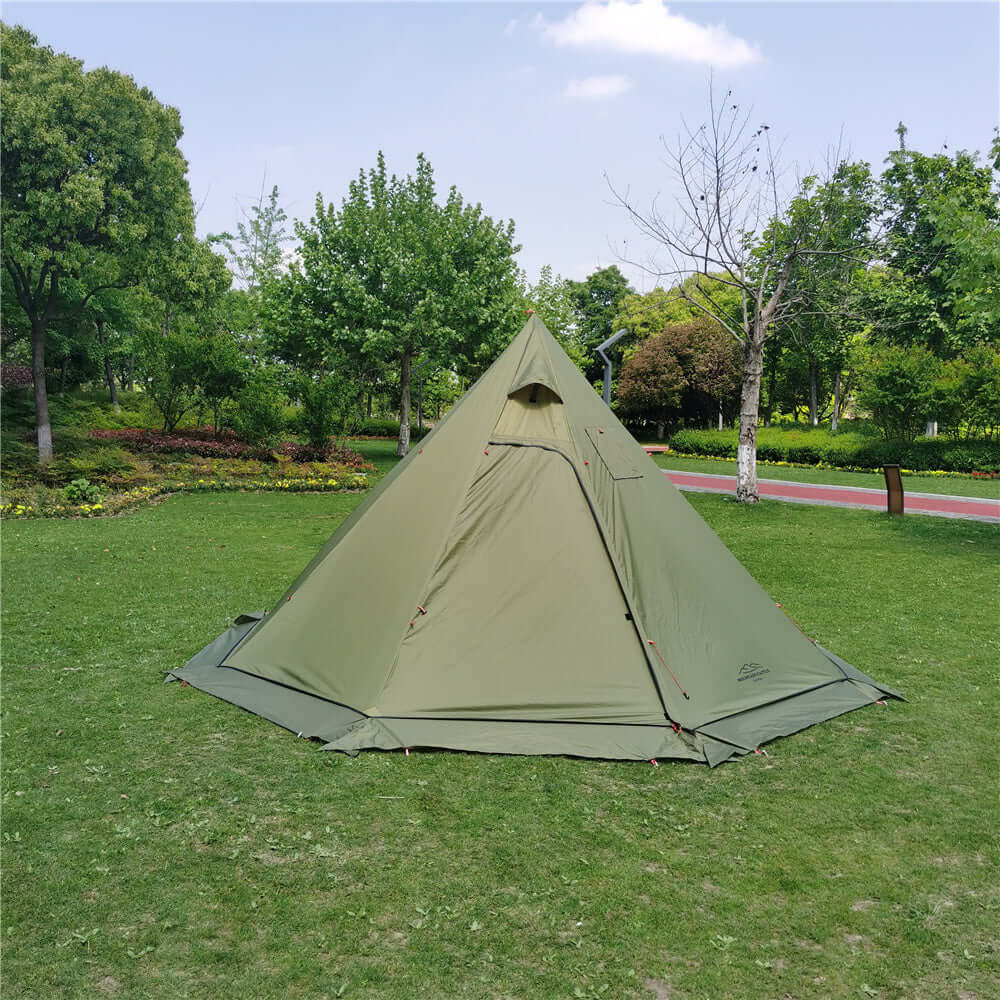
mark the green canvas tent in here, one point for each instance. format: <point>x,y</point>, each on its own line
<point>528,581</point>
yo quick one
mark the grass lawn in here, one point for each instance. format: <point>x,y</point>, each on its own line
<point>160,843</point>
<point>953,486</point>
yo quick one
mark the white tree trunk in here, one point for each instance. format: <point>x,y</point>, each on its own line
<point>403,447</point>
<point>835,419</point>
<point>42,425</point>
<point>746,452</point>
<point>813,396</point>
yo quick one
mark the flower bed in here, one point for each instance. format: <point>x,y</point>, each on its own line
<point>41,501</point>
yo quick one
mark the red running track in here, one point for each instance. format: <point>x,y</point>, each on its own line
<point>938,504</point>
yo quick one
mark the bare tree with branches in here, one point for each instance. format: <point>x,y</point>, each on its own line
<point>737,224</point>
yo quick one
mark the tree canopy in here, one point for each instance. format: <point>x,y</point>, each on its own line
<point>94,187</point>
<point>393,275</point>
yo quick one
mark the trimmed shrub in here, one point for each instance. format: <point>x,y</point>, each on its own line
<point>378,428</point>
<point>259,415</point>
<point>847,450</point>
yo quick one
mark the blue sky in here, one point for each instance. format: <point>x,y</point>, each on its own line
<point>526,106</point>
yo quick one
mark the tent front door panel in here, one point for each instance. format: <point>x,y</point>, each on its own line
<point>524,616</point>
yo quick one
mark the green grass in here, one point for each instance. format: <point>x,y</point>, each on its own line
<point>380,452</point>
<point>951,485</point>
<point>160,843</point>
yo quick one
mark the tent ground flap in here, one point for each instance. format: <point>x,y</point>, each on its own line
<point>609,742</point>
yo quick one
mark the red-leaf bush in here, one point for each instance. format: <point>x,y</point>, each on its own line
<point>15,376</point>
<point>201,442</point>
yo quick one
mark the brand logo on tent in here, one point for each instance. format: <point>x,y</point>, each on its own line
<point>751,672</point>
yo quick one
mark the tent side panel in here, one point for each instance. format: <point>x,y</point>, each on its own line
<point>524,615</point>
<point>336,632</point>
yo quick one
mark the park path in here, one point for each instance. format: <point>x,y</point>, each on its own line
<point>938,504</point>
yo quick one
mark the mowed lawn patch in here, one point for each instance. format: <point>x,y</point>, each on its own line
<point>160,843</point>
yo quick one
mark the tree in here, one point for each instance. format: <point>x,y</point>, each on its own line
<point>841,212</point>
<point>222,371</point>
<point>651,383</point>
<point>969,235</point>
<point>255,250</point>
<point>649,314</point>
<point>93,184</point>
<point>688,372</point>
<point>898,387</point>
<point>929,203</point>
<point>551,297</point>
<point>729,193</point>
<point>392,275</point>
<point>597,299</point>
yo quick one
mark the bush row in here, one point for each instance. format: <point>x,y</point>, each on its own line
<point>227,446</point>
<point>848,450</point>
<point>377,428</point>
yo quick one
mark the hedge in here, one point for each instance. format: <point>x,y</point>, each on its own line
<point>850,450</point>
<point>376,428</point>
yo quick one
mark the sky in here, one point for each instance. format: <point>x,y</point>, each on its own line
<point>531,108</point>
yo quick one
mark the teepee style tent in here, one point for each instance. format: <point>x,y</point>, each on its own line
<point>527,581</point>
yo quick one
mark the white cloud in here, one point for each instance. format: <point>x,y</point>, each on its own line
<point>648,27</point>
<point>597,88</point>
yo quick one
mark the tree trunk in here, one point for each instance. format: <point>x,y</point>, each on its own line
<point>659,430</point>
<point>813,395</point>
<point>720,414</point>
<point>772,378</point>
<point>835,419</point>
<point>369,405</point>
<point>932,429</point>
<point>42,425</point>
<point>62,375</point>
<point>404,406</point>
<point>109,375</point>
<point>746,452</point>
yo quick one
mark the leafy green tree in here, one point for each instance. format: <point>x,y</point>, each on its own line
<point>256,255</point>
<point>552,299</point>
<point>325,403</point>
<point>441,391</point>
<point>93,182</point>
<point>597,300</point>
<point>840,213</point>
<point>966,397</point>
<point>222,371</point>
<point>969,235</point>
<point>929,203</point>
<point>392,275</point>
<point>190,281</point>
<point>258,416</point>
<point>172,367</point>
<point>898,386</point>
<point>651,313</point>
<point>256,248</point>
